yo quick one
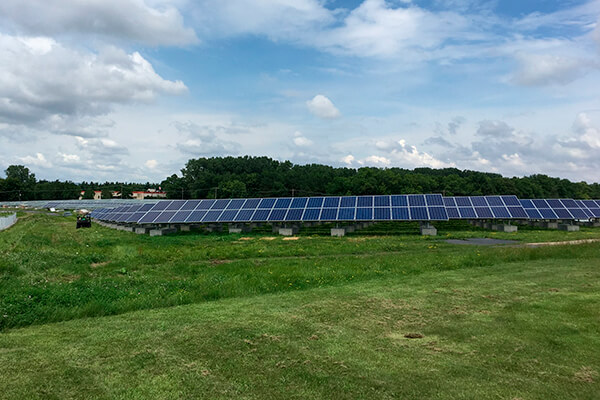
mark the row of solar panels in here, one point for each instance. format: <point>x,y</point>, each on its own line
<point>428,207</point>
<point>350,208</point>
<point>76,204</point>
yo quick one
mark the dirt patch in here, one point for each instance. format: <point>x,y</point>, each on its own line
<point>291,238</point>
<point>99,264</point>
<point>219,262</point>
<point>268,238</point>
<point>586,374</point>
<point>568,242</point>
<point>414,335</point>
<point>245,238</point>
<point>481,241</point>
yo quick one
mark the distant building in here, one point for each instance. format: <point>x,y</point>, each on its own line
<point>115,193</point>
<point>149,194</point>
<point>81,194</point>
<point>97,194</point>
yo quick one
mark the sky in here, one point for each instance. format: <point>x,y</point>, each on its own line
<point>129,90</point>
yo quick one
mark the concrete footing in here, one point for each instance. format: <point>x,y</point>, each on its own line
<point>568,227</point>
<point>550,225</point>
<point>592,224</point>
<point>162,231</point>
<point>214,228</point>
<point>428,230</point>
<point>142,230</point>
<point>504,228</point>
<point>350,228</point>
<point>338,232</point>
<point>239,228</point>
<point>288,231</point>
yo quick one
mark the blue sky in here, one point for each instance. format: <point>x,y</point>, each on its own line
<point>132,89</point>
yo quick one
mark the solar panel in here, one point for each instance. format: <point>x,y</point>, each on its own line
<point>484,207</point>
<point>557,209</point>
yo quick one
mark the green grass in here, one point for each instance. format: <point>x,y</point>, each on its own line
<point>317,317</point>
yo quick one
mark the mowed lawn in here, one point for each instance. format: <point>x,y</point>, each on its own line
<point>256,316</point>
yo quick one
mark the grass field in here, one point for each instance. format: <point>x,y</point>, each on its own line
<point>259,316</point>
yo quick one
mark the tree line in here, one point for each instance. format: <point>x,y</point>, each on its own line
<point>227,177</point>
<point>21,184</point>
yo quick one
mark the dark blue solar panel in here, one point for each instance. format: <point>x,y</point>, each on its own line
<point>563,213</point>
<point>346,213</point>
<point>449,202</point>
<point>205,205</point>
<point>190,205</point>
<point>282,203</point>
<point>595,212</point>
<point>547,213</point>
<point>149,217</point>
<point>479,201</point>
<point>533,213</point>
<point>364,214</point>
<point>382,201</point>
<point>365,201</point>
<point>251,203</point>
<point>418,213</point>
<point>348,201</point>
<point>467,212</point>
<point>161,205</point>
<point>244,215</point>
<point>146,207</point>
<point>569,203</point>
<point>165,217</point>
<point>578,213</point>
<point>416,200</point>
<point>484,212</point>
<point>511,200</point>
<point>315,202</point>
<point>517,212</point>
<point>400,213</point>
<point>294,214</point>
<point>500,212</point>
<point>463,202</point>
<point>452,212</point>
<point>299,202</point>
<point>589,203</point>
<point>181,216</point>
<point>329,214</point>
<point>212,216</point>
<point>267,203</point>
<point>382,213</point>
<point>495,201</point>
<point>220,204</point>
<point>555,203</point>
<point>311,214</point>
<point>196,216</point>
<point>235,204</point>
<point>438,213</point>
<point>277,215</point>
<point>261,215</point>
<point>121,217</point>
<point>331,202</point>
<point>434,199</point>
<point>527,204</point>
<point>228,215</point>
<point>176,205</point>
<point>399,201</point>
<point>540,203</point>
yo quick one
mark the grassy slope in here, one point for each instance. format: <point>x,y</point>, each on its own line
<point>51,272</point>
<point>525,330</point>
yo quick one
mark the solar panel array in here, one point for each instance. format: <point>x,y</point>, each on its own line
<point>428,207</point>
<point>484,207</point>
<point>561,209</point>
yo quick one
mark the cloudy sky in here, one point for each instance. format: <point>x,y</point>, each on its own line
<point>132,89</point>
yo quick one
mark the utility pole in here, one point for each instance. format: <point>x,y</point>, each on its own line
<point>293,191</point>
<point>216,189</point>
<point>181,193</point>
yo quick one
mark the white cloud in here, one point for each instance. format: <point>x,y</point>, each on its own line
<point>70,158</point>
<point>149,22</point>
<point>151,164</point>
<point>550,69</point>
<point>39,160</point>
<point>301,141</point>
<point>349,159</point>
<point>46,83</point>
<point>587,133</point>
<point>322,107</point>
<point>377,160</point>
